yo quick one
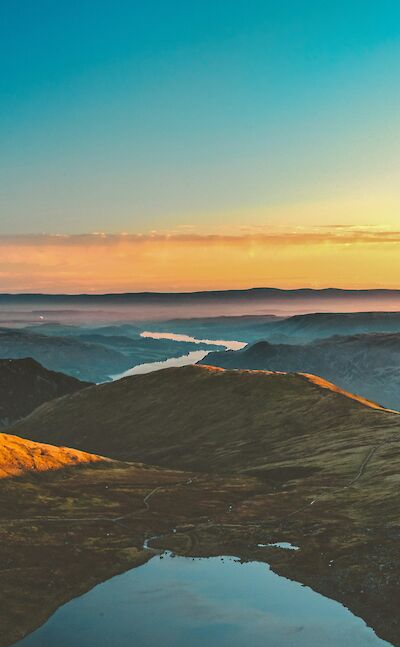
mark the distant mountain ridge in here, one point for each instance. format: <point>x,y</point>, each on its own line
<point>31,308</point>
<point>367,364</point>
<point>88,362</point>
<point>258,292</point>
<point>308,327</point>
<point>93,357</point>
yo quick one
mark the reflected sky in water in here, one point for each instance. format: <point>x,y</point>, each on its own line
<point>176,602</point>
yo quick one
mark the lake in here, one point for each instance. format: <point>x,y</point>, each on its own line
<point>184,360</point>
<point>218,602</point>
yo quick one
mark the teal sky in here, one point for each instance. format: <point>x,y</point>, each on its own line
<point>139,116</point>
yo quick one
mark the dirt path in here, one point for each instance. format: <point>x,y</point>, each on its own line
<point>365,463</point>
<point>111,520</point>
<point>361,471</point>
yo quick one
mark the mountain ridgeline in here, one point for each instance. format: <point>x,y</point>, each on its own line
<point>366,364</point>
<point>319,325</point>
<point>88,362</point>
<point>208,419</point>
<point>93,355</point>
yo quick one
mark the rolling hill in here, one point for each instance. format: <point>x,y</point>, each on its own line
<point>19,456</point>
<point>206,418</point>
<point>278,457</point>
<point>318,325</point>
<point>85,361</point>
<point>121,345</point>
<point>243,328</point>
<point>365,364</point>
<point>25,385</point>
<point>69,520</point>
<point>91,357</point>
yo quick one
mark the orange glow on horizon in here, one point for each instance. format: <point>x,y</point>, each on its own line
<point>339,257</point>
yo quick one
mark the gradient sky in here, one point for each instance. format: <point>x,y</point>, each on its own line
<point>228,139</point>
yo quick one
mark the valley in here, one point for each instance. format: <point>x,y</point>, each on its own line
<point>200,462</point>
<point>199,324</point>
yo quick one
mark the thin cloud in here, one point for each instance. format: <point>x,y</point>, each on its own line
<point>99,261</point>
<point>335,235</point>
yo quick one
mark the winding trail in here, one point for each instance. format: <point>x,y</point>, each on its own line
<point>361,471</point>
<point>115,520</point>
<point>191,536</point>
<point>365,463</point>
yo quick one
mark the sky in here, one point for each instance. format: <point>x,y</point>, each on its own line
<point>174,145</point>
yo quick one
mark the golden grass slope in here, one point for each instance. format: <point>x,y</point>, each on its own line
<point>19,456</point>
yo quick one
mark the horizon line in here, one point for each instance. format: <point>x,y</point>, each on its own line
<point>198,292</point>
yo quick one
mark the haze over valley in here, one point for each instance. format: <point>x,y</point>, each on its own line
<point>199,323</point>
<point>266,443</point>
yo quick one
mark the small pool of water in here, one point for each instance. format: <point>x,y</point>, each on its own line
<point>218,602</point>
<point>285,545</point>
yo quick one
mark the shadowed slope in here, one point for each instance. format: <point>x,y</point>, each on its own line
<point>25,385</point>
<point>209,419</point>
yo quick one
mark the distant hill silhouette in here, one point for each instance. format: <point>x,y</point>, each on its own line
<point>301,328</point>
<point>25,384</point>
<point>161,306</point>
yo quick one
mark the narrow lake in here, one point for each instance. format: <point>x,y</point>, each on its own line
<point>184,360</point>
<point>218,602</point>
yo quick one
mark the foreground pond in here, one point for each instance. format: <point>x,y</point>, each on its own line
<point>218,602</point>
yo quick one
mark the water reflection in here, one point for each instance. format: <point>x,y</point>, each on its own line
<point>219,602</point>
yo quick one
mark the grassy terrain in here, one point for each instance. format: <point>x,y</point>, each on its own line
<point>62,532</point>
<point>19,457</point>
<point>365,364</point>
<point>208,419</point>
<point>267,457</point>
